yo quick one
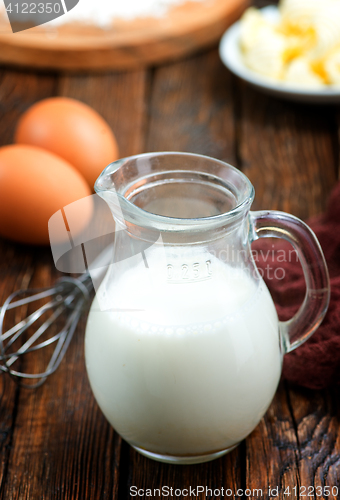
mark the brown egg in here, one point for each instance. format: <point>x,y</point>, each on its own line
<point>72,130</point>
<point>34,184</point>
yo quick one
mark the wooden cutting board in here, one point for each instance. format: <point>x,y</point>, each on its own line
<point>128,44</point>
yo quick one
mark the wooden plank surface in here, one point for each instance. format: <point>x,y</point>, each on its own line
<point>60,444</point>
<point>288,151</point>
<point>18,262</point>
<point>54,442</point>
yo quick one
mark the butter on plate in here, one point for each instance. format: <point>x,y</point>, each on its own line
<point>301,47</point>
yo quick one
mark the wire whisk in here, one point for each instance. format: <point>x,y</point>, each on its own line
<point>68,299</point>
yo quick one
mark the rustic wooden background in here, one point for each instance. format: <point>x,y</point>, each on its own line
<point>54,442</point>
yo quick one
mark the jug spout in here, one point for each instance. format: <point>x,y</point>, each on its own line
<point>105,188</point>
<point>106,180</point>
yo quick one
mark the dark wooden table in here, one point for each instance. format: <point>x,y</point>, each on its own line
<point>54,441</point>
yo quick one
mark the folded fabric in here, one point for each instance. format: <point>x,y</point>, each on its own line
<point>315,364</point>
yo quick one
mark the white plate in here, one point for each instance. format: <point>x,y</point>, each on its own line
<point>231,56</point>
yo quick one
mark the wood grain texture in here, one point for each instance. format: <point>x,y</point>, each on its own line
<point>135,43</point>
<point>18,91</point>
<point>272,450</point>
<point>191,108</point>
<point>17,262</point>
<point>121,98</point>
<point>317,416</point>
<point>63,447</point>
<point>56,443</point>
<point>288,151</point>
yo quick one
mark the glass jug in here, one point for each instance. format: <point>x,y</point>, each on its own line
<point>183,345</point>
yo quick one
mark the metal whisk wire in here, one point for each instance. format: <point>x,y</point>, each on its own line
<point>69,296</point>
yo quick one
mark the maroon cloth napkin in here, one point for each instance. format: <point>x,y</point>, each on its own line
<point>315,364</point>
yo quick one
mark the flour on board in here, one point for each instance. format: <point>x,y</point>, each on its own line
<point>103,12</point>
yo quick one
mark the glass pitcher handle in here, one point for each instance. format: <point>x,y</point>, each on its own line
<point>269,224</point>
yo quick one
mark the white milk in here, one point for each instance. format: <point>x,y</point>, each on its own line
<point>196,370</point>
